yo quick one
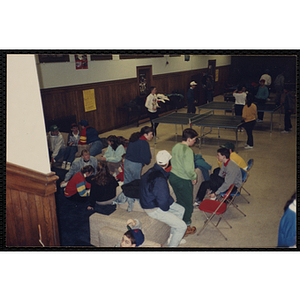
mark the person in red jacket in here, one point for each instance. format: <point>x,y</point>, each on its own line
<point>78,188</point>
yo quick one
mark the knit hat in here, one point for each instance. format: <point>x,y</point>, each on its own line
<point>163,157</point>
<point>54,128</point>
<point>74,125</point>
<point>193,83</point>
<point>138,236</point>
<point>229,146</point>
<point>84,123</point>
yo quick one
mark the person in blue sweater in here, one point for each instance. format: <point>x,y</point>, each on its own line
<point>137,154</point>
<point>114,153</point>
<point>261,98</point>
<point>191,98</point>
<point>287,226</point>
<point>157,202</point>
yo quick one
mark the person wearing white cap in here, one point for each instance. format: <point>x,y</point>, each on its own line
<point>157,202</point>
<point>191,98</point>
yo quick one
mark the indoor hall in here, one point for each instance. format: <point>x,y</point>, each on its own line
<point>271,183</point>
<point>40,93</point>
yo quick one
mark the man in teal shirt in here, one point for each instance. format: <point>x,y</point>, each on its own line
<point>261,97</point>
<point>183,175</point>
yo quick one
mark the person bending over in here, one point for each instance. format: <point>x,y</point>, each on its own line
<point>78,187</point>
<point>156,200</point>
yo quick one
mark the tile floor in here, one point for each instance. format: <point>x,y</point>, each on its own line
<point>271,183</point>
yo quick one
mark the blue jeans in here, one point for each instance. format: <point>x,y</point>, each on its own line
<point>173,218</point>
<point>96,148</point>
<point>59,155</point>
<point>132,170</point>
<point>122,198</point>
<point>70,152</point>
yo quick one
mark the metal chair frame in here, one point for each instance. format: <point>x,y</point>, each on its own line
<point>219,210</point>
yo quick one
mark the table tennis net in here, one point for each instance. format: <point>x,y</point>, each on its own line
<point>201,116</point>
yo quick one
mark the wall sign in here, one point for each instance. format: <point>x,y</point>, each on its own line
<point>89,100</point>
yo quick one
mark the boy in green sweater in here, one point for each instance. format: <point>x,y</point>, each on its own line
<point>183,175</point>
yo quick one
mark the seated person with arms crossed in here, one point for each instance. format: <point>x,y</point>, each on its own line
<point>230,173</point>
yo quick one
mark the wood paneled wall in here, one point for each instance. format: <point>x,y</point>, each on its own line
<point>66,101</point>
<point>30,205</point>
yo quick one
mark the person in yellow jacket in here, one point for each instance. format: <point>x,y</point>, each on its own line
<point>249,117</point>
<point>234,157</point>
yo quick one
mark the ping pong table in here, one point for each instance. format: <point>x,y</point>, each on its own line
<point>268,107</point>
<point>208,119</point>
<point>217,106</point>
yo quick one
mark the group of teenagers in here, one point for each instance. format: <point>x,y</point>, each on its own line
<point>103,184</point>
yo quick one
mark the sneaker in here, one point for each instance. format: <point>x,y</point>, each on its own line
<point>248,147</point>
<point>213,198</point>
<point>182,242</point>
<point>68,166</point>
<point>284,131</point>
<point>63,165</point>
<point>259,121</point>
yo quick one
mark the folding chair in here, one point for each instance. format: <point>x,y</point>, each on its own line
<point>215,207</point>
<point>249,167</point>
<point>250,164</point>
<point>237,193</point>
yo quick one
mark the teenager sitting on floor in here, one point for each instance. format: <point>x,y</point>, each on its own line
<point>103,190</point>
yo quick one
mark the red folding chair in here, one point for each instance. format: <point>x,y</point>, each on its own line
<point>211,208</point>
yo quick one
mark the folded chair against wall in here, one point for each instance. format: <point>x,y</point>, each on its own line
<point>237,193</point>
<point>211,208</point>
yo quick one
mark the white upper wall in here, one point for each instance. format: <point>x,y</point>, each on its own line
<point>65,74</point>
<point>26,143</point>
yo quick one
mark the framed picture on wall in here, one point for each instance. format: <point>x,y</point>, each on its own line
<point>81,61</point>
<point>53,58</point>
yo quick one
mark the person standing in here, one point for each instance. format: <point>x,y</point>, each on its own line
<point>156,200</point>
<point>240,100</point>
<point>268,79</point>
<point>261,97</point>
<point>191,98</point>
<point>249,118</point>
<point>279,86</point>
<point>209,88</point>
<point>183,175</point>
<point>138,154</point>
<point>288,109</point>
<point>89,136</point>
<point>152,105</point>
<point>56,144</point>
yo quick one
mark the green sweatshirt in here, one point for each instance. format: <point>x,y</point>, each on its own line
<point>182,162</point>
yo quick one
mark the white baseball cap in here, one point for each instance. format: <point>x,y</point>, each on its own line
<point>163,157</point>
<point>193,83</point>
